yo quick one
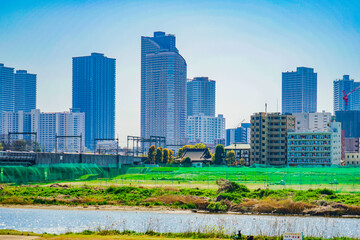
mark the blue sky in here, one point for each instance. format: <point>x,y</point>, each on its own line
<point>243,45</point>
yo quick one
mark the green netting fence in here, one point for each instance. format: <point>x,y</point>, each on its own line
<point>345,179</point>
<point>55,173</point>
<point>340,179</point>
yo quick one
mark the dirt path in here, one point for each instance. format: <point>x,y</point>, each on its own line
<point>17,237</point>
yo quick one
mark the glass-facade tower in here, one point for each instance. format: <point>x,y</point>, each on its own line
<point>163,89</point>
<point>347,85</point>
<point>94,94</point>
<point>25,91</point>
<point>299,91</point>
<point>200,97</point>
<point>6,88</point>
<point>6,91</point>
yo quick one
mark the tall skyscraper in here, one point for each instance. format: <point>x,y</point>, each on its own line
<point>347,85</point>
<point>163,86</point>
<point>6,88</point>
<point>25,91</point>
<point>6,91</point>
<point>94,94</point>
<point>200,97</point>
<point>299,91</point>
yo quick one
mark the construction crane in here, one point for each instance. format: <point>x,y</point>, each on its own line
<point>240,123</point>
<point>346,96</point>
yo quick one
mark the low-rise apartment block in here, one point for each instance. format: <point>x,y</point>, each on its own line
<point>242,151</point>
<point>352,159</point>
<point>315,147</point>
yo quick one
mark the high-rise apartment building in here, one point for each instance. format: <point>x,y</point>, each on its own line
<point>163,89</point>
<point>318,121</point>
<point>346,85</point>
<point>25,91</point>
<point>205,129</point>
<point>94,94</point>
<point>239,134</point>
<point>299,91</point>
<point>269,138</point>
<point>200,98</point>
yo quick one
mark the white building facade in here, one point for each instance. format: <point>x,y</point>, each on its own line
<point>15,122</point>
<point>315,147</point>
<point>70,125</point>
<point>317,121</point>
<point>205,129</point>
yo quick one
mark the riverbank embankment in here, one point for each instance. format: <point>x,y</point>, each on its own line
<point>230,197</point>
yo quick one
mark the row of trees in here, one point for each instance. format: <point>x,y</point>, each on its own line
<point>20,145</point>
<point>165,156</point>
<point>160,155</point>
<point>220,158</point>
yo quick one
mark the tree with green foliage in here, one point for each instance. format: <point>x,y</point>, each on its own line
<point>199,145</point>
<point>37,147</point>
<point>1,147</point>
<point>242,162</point>
<point>186,161</point>
<point>182,149</point>
<point>151,154</point>
<point>165,155</point>
<point>219,154</point>
<point>19,145</point>
<point>171,157</point>
<point>159,155</point>
<point>230,158</point>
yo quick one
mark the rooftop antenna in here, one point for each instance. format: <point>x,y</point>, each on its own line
<point>265,107</point>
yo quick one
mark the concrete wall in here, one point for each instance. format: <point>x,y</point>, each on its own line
<point>100,160</point>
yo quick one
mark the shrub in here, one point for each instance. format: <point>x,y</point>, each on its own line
<point>238,187</point>
<point>217,206</point>
<point>326,191</point>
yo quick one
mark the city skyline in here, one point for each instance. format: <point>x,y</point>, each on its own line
<point>327,44</point>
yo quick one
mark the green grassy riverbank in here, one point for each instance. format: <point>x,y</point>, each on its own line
<point>130,235</point>
<point>229,197</point>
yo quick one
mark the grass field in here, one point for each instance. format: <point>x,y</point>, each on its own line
<point>337,179</point>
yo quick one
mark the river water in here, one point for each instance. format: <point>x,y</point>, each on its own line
<point>61,221</point>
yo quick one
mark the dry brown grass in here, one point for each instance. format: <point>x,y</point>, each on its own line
<point>199,202</point>
<point>269,205</point>
<point>353,210</point>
